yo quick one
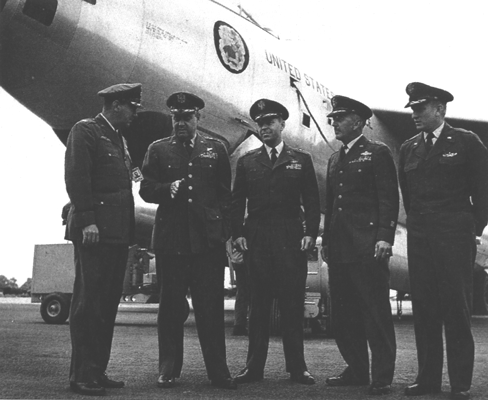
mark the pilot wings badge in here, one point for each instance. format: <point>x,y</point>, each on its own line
<point>365,156</point>
<point>231,48</point>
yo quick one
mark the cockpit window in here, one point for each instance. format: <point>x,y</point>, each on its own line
<point>41,10</point>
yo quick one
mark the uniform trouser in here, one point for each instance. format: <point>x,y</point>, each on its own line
<point>441,251</point>
<point>242,296</point>
<point>275,271</point>
<point>361,314</point>
<point>203,274</point>
<point>99,277</point>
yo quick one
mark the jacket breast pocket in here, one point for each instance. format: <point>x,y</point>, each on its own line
<point>451,160</point>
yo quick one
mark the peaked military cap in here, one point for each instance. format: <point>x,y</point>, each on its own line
<point>130,92</point>
<point>345,105</point>
<point>421,93</point>
<point>268,108</point>
<point>184,102</point>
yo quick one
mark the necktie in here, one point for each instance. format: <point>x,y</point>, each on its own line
<point>342,153</point>
<point>429,141</point>
<point>274,155</point>
<point>189,147</point>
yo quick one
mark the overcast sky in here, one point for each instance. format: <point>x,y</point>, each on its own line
<point>368,50</point>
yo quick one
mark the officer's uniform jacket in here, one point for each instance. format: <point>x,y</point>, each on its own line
<point>99,182</point>
<point>452,177</point>
<point>200,210</point>
<point>362,201</point>
<point>276,192</point>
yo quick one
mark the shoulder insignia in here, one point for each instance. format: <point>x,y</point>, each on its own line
<point>297,150</point>
<point>166,139</point>
<point>251,152</point>
<point>207,137</point>
<point>413,138</point>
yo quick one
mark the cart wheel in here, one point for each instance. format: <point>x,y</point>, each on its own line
<point>55,308</point>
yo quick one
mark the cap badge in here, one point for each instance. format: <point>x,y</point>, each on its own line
<point>261,105</point>
<point>181,98</point>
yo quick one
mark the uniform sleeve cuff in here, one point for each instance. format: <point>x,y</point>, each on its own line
<point>385,235</point>
<point>83,219</point>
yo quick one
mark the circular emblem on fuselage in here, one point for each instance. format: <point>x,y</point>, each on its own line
<point>231,48</point>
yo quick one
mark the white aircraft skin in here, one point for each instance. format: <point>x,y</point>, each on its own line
<point>56,67</point>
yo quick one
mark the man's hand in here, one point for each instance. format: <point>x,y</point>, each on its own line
<point>241,244</point>
<point>382,250</point>
<point>174,187</point>
<point>478,240</point>
<point>90,234</point>
<point>307,243</point>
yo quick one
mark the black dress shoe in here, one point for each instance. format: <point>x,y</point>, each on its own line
<point>419,390</point>
<point>246,376</point>
<point>227,383</point>
<point>88,388</point>
<point>460,394</point>
<point>106,382</point>
<point>166,382</point>
<point>305,378</point>
<point>346,380</point>
<point>379,389</point>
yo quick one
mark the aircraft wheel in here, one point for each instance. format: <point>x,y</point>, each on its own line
<point>55,308</point>
<point>480,291</point>
<point>275,319</point>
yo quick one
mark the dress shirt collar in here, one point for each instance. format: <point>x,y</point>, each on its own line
<point>108,122</point>
<point>278,149</point>
<point>436,133</point>
<point>352,142</point>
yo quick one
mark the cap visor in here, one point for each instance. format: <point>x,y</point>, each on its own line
<point>337,112</point>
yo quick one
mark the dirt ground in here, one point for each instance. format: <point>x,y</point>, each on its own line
<point>35,359</point>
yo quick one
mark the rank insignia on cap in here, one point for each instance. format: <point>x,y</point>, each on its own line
<point>420,93</point>
<point>346,105</point>
<point>267,108</point>
<point>183,102</point>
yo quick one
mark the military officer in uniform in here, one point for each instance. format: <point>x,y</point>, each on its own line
<point>444,182</point>
<point>273,180</point>
<point>188,175</point>
<point>100,223</point>
<point>361,210</point>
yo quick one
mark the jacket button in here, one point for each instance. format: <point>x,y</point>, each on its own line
<point>190,176</point>
<point>340,196</point>
<point>190,187</point>
<point>340,184</point>
<point>359,170</point>
<point>190,200</point>
<point>341,172</point>
<point>340,209</point>
<point>190,164</point>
